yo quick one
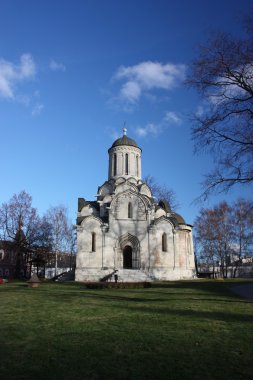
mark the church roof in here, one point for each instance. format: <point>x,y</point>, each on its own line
<point>165,205</point>
<point>179,218</point>
<point>124,140</point>
<point>82,202</point>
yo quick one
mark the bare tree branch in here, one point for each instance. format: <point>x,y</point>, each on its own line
<point>161,192</point>
<point>223,76</point>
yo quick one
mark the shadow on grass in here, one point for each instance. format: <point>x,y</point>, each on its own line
<point>204,291</point>
<point>196,314</point>
<point>172,299</point>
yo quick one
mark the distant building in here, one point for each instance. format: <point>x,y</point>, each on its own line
<point>8,255</point>
<point>242,268</point>
<point>39,260</point>
<point>127,230</point>
<point>14,261</point>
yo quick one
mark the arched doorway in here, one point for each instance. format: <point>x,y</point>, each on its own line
<point>127,252</point>
<point>127,257</point>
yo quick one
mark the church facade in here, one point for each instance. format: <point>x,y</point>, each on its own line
<point>127,231</point>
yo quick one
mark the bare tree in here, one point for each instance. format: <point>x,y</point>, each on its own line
<point>21,224</point>
<point>62,232</point>
<point>72,246</point>
<point>242,214</point>
<point>204,239</point>
<point>224,235</point>
<point>161,192</point>
<point>223,76</point>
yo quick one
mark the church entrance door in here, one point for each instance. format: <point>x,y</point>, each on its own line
<point>127,257</point>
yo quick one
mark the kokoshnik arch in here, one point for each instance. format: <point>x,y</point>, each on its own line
<point>127,230</point>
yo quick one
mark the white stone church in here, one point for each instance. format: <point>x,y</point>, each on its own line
<point>129,232</point>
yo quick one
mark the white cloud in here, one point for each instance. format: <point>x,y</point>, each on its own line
<point>131,91</point>
<point>56,66</point>
<point>150,128</point>
<point>11,74</point>
<point>172,117</point>
<point>37,109</point>
<point>155,129</point>
<point>147,76</point>
<point>27,66</point>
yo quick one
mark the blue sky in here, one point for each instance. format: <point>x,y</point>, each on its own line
<point>73,72</point>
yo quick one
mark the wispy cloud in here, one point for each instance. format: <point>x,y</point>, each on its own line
<point>131,91</point>
<point>150,128</point>
<point>147,76</point>
<point>37,109</point>
<point>56,66</point>
<point>170,118</point>
<point>12,74</point>
<point>12,78</point>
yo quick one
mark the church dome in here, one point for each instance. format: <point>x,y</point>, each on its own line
<point>178,218</point>
<point>124,140</point>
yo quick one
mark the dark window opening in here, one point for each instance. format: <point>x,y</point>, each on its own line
<point>93,242</point>
<point>114,164</point>
<point>126,164</point>
<point>164,242</point>
<point>130,210</point>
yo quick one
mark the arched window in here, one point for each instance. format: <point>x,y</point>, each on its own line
<point>130,210</point>
<point>164,242</point>
<point>93,242</point>
<point>126,164</point>
<point>114,164</point>
<point>137,166</point>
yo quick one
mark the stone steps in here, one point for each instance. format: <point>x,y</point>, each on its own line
<point>66,276</point>
<point>133,275</point>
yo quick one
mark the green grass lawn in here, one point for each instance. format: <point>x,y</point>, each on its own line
<point>177,330</point>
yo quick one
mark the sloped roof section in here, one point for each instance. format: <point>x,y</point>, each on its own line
<point>178,218</point>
